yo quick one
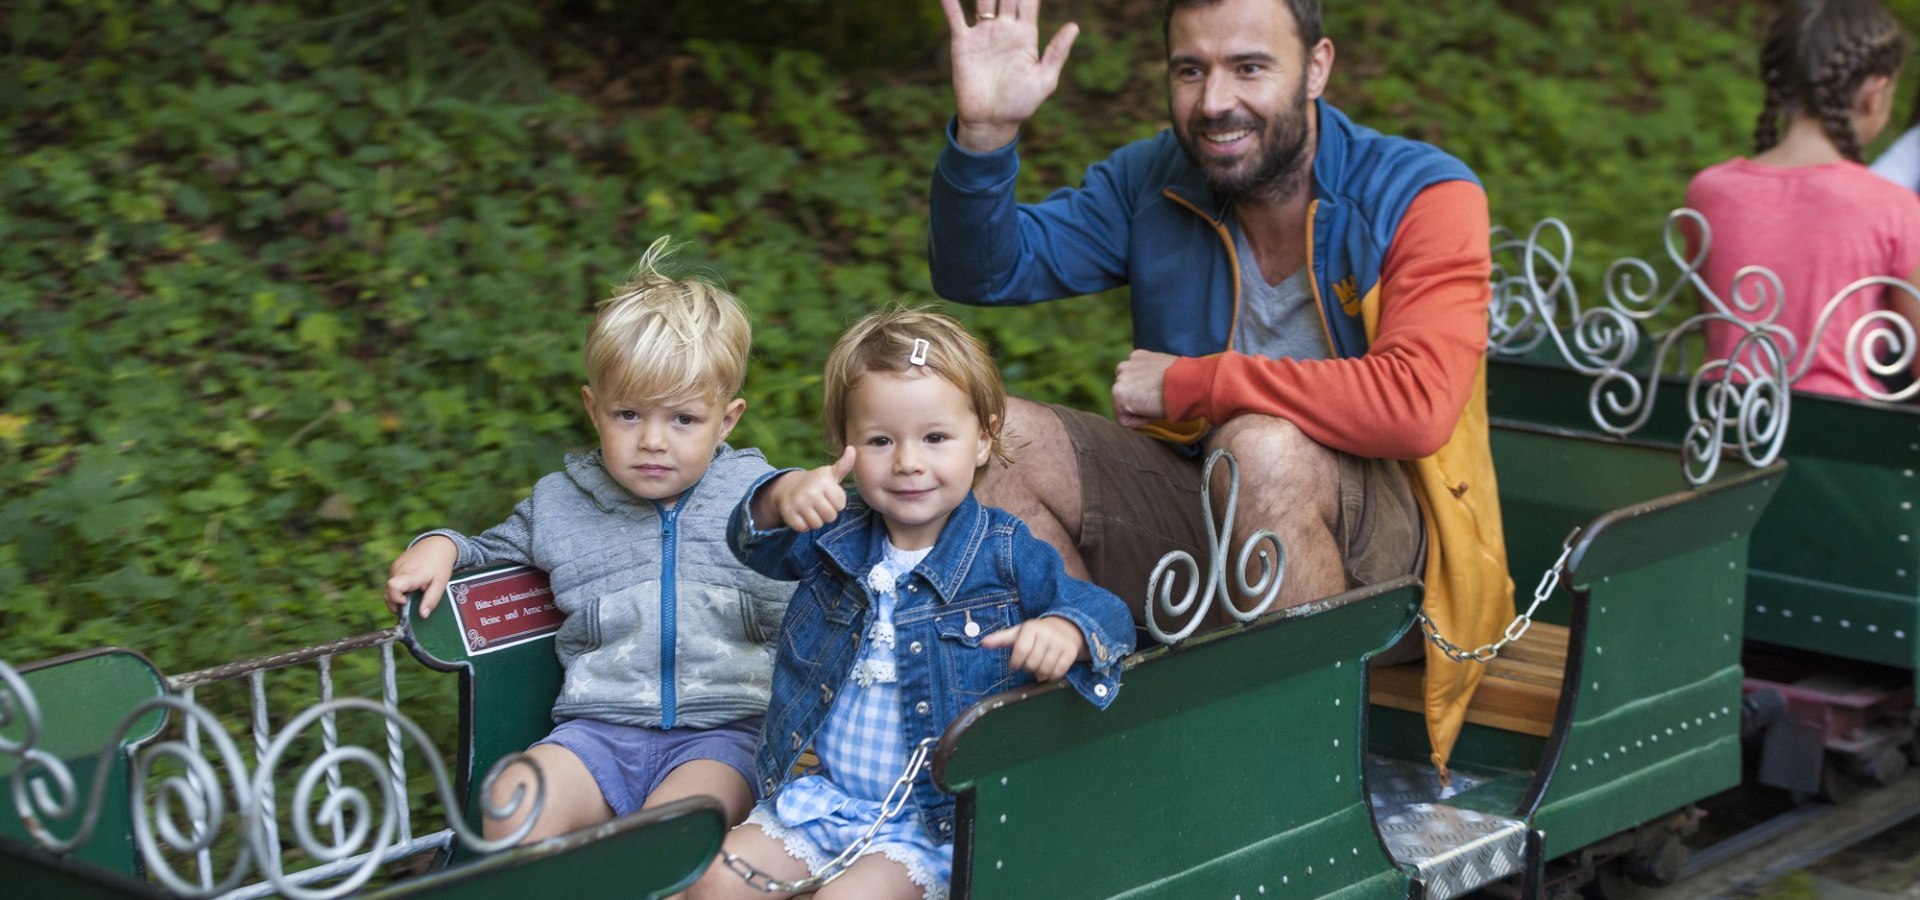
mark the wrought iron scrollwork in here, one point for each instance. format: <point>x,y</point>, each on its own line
<point>1198,599</point>
<point>1740,401</point>
<point>185,812</point>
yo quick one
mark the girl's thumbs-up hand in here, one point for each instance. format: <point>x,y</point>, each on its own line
<point>807,500</point>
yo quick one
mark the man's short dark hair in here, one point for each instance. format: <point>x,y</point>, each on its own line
<point>1306,17</point>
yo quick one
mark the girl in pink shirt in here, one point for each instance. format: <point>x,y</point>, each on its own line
<point>1804,206</point>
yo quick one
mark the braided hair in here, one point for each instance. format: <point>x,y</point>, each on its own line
<point>1816,55</point>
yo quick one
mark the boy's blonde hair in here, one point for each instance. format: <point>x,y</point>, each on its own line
<point>660,339</point>
<point>883,341</point>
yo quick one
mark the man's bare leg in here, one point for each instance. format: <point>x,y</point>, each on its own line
<point>1290,484</point>
<point>1042,487</point>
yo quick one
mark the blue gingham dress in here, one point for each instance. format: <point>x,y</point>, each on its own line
<point>862,754</point>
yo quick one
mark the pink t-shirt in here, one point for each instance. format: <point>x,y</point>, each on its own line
<point>1820,228</point>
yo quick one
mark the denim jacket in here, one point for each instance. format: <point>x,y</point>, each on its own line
<point>986,570</point>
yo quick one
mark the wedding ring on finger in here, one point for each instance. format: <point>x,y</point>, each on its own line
<point>987,17</point>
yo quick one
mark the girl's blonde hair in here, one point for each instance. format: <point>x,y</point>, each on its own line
<point>1817,53</point>
<point>661,339</point>
<point>883,341</point>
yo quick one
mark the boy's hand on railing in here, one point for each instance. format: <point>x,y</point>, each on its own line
<point>806,500</point>
<point>425,567</point>
<point>1047,647</point>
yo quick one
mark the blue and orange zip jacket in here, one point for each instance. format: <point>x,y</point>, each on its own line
<point>1398,249</point>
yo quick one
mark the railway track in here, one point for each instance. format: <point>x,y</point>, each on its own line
<point>1741,863</point>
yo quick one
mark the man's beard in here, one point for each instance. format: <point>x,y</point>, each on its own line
<point>1276,172</point>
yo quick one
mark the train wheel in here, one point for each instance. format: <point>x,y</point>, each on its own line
<point>1837,786</point>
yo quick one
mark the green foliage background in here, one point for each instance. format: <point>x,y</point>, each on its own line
<point>283,284</point>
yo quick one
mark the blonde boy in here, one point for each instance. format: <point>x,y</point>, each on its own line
<point>668,643</point>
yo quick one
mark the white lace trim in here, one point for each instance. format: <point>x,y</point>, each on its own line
<point>797,845</point>
<point>880,578</point>
<point>916,872</point>
<point>803,851</point>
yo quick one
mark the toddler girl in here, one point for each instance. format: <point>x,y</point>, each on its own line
<point>915,602</point>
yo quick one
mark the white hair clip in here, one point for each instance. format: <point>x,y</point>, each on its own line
<point>919,355</point>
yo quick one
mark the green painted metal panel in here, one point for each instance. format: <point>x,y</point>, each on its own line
<point>26,872</point>
<point>1658,772</point>
<point>1228,765</point>
<point>1832,541</point>
<point>650,854</point>
<point>1833,619</point>
<point>1403,735</point>
<point>506,694</point>
<point>83,699</point>
<point>1650,707</point>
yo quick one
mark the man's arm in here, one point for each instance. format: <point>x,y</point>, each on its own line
<point>1402,398</point>
<point>983,248</point>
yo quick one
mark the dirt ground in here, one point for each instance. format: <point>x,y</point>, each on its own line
<point>1882,868</point>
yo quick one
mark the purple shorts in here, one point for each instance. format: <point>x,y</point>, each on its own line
<point>629,761</point>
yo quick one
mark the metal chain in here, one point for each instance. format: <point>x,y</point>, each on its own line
<point>1516,628</point>
<point>896,800</point>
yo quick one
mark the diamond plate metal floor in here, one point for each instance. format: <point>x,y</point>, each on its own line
<point>1451,850</point>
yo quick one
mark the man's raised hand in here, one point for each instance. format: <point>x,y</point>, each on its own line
<point>1000,77</point>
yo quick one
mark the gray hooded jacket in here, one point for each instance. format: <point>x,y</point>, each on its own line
<point>665,628</point>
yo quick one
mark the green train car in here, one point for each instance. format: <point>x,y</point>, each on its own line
<point>1264,759</point>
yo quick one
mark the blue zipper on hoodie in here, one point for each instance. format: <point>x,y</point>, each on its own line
<point>669,592</point>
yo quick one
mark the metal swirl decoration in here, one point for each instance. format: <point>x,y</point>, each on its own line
<point>348,810</point>
<point>1741,401</point>
<point>1880,344</point>
<point>198,794</point>
<point>185,812</point>
<point>1262,546</point>
<point>1524,307</point>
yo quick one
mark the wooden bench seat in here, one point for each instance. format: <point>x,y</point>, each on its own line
<point>1519,693</point>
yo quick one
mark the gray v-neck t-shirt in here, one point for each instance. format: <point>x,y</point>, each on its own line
<point>1276,321</point>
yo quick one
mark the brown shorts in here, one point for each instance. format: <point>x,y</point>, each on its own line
<point>1140,499</point>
